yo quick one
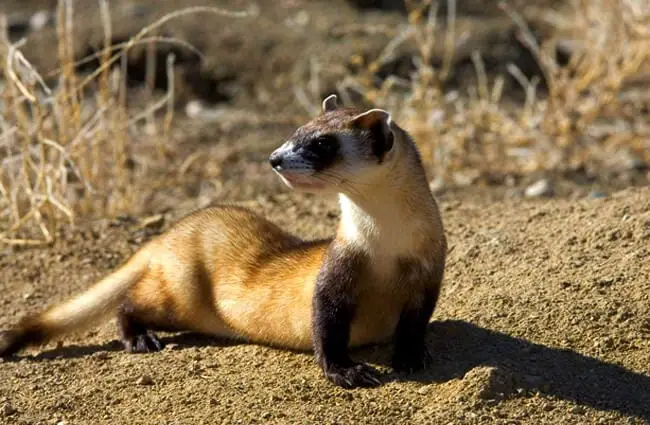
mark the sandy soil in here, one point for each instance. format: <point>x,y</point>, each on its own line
<point>544,316</point>
<point>543,319</point>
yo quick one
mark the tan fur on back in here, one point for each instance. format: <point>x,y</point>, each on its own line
<point>228,272</point>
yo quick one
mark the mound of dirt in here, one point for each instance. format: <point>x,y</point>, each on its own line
<point>543,319</point>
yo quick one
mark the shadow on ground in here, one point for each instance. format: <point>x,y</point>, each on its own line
<point>457,347</point>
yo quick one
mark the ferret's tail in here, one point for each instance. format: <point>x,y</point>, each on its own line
<point>78,312</point>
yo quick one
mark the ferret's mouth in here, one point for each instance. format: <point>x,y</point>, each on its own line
<point>300,180</point>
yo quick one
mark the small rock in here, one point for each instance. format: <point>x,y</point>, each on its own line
<point>8,409</point>
<point>466,178</point>
<point>302,18</point>
<point>548,407</point>
<point>596,194</point>
<point>540,188</point>
<point>424,390</point>
<point>577,410</point>
<point>101,355</point>
<point>490,383</point>
<point>266,415</point>
<point>40,20</point>
<point>145,380</point>
<point>437,185</point>
<point>193,108</point>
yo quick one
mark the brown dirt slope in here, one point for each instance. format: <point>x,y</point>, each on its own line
<point>543,319</point>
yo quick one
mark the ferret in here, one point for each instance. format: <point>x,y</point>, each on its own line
<point>228,272</point>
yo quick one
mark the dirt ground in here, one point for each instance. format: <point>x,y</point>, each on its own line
<point>543,319</point>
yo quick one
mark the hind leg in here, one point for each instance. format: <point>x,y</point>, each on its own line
<point>134,333</point>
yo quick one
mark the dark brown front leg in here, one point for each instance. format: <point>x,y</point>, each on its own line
<point>333,311</point>
<point>410,350</point>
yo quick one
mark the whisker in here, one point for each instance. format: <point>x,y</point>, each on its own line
<point>349,177</point>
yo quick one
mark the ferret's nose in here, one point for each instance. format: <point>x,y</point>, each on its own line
<point>276,160</point>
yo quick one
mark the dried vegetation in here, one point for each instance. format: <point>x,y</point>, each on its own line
<point>584,114</point>
<point>70,144</point>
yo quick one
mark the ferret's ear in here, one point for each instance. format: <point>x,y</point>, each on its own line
<point>372,118</point>
<point>329,104</point>
<point>377,121</point>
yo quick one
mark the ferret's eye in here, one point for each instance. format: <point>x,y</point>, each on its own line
<point>326,144</point>
<point>321,151</point>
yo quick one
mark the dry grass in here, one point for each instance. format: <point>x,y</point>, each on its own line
<point>591,115</point>
<point>76,148</point>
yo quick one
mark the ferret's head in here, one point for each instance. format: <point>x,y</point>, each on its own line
<point>341,150</point>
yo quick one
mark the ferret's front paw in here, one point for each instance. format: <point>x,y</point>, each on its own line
<point>143,343</point>
<point>357,375</point>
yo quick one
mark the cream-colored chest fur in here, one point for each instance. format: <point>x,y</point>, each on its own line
<point>378,307</point>
<point>401,250</point>
<point>381,299</point>
<point>386,233</point>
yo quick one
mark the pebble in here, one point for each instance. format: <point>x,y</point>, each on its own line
<point>548,407</point>
<point>8,409</point>
<point>596,194</point>
<point>145,380</point>
<point>424,390</point>
<point>539,189</point>
<point>101,355</point>
<point>40,20</point>
<point>578,410</point>
<point>195,109</point>
<point>437,185</point>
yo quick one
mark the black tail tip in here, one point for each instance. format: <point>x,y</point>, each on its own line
<point>14,340</point>
<point>9,343</point>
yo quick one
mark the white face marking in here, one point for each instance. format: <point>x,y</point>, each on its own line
<point>296,172</point>
<point>291,160</point>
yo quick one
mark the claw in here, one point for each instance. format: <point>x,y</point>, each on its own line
<point>144,343</point>
<point>357,375</point>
